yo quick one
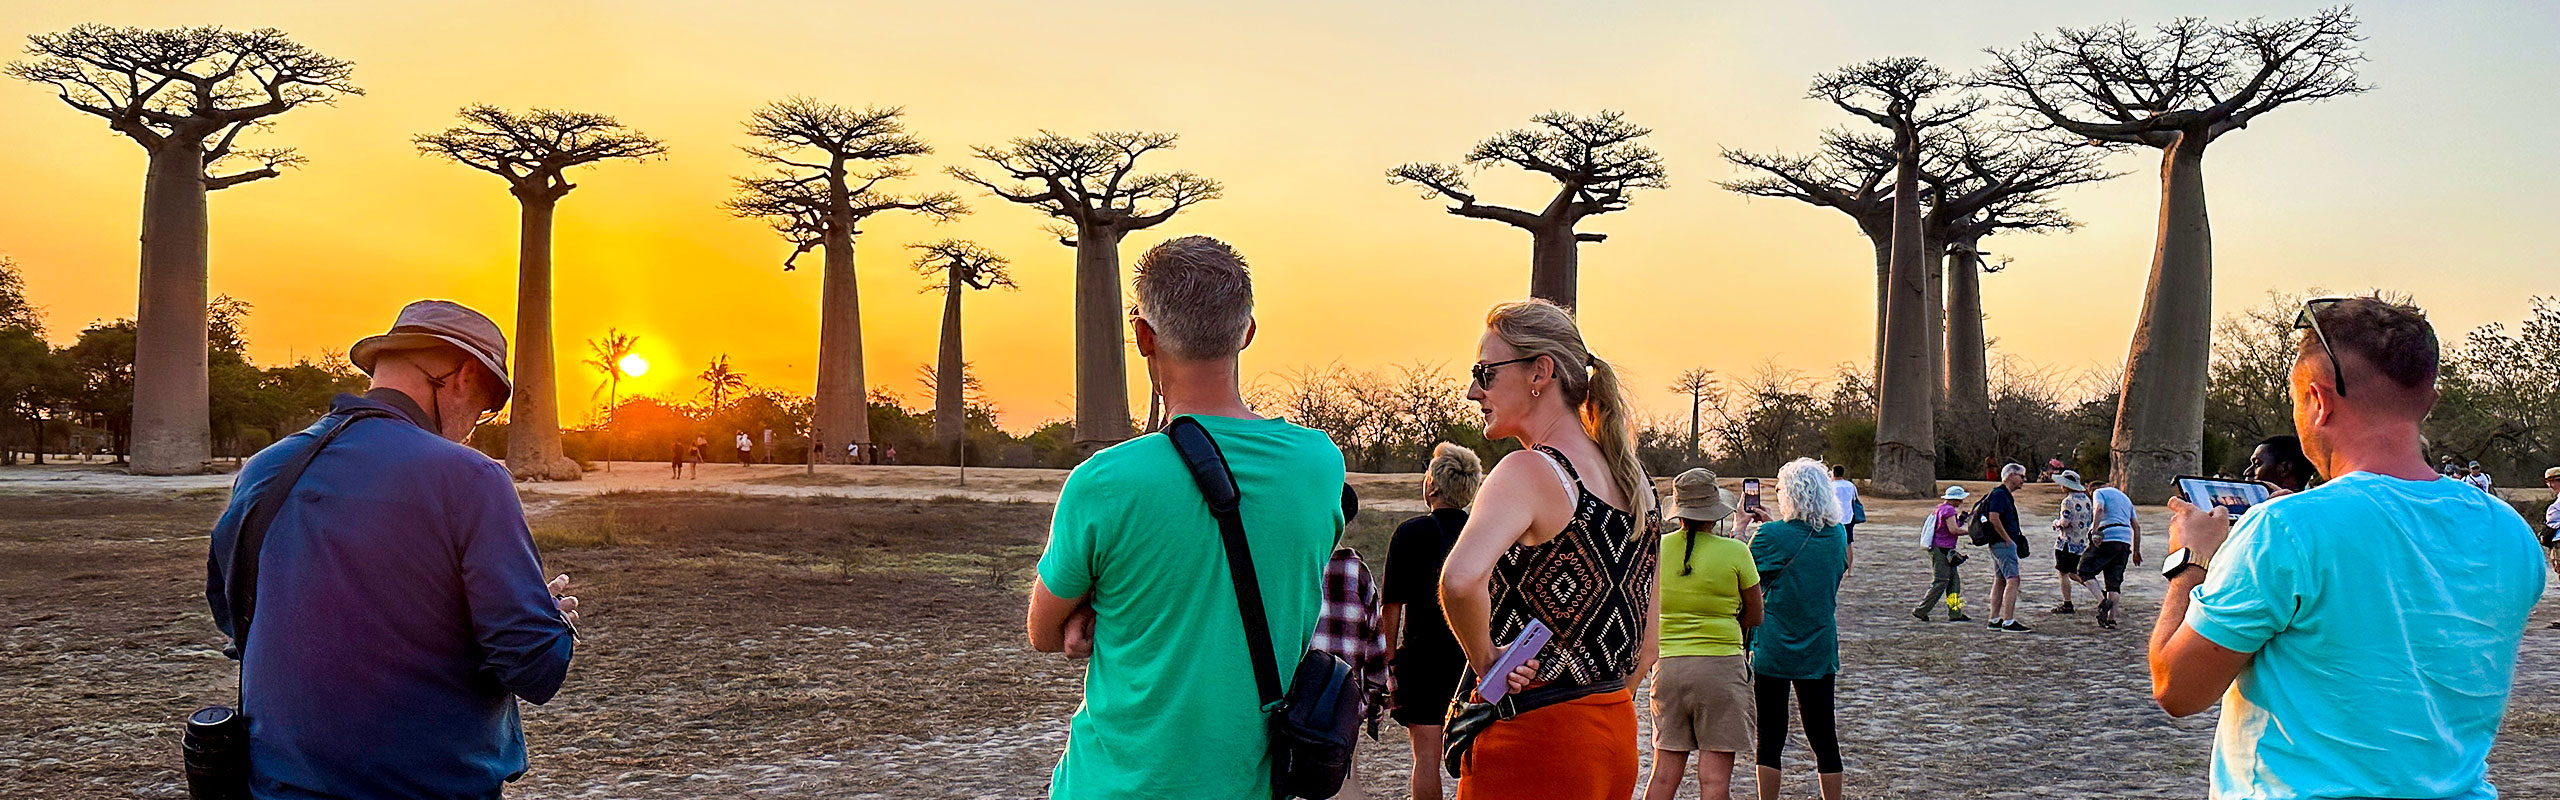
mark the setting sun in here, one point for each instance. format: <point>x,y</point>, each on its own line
<point>634,366</point>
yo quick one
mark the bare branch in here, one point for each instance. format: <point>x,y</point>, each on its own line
<point>964,261</point>
<point>2118,85</point>
<point>1091,183</point>
<point>534,150</point>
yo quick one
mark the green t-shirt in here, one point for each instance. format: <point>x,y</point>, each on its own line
<point>1699,608</point>
<point>1170,706</point>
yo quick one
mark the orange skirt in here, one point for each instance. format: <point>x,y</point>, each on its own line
<point>1581,748</point>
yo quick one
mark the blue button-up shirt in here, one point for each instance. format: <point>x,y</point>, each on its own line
<point>400,612</point>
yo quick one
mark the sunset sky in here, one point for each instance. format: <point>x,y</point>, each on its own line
<point>2428,185</point>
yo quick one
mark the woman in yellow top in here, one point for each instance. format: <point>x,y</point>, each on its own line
<point>1702,684</point>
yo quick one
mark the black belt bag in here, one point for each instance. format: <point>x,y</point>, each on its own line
<point>1468,720</point>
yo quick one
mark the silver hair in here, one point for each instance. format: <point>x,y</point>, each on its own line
<point>2019,470</point>
<point>1195,292</point>
<point>1804,494</point>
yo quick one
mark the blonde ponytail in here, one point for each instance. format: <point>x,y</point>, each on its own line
<point>1540,328</point>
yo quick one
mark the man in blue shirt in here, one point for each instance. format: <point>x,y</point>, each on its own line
<point>399,606</point>
<point>2361,635</point>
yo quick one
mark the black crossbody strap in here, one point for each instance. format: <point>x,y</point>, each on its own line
<point>241,586</point>
<point>1218,486</point>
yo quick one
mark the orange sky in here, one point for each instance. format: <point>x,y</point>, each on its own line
<point>2427,185</point>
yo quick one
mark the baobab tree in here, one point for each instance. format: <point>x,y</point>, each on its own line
<point>534,151</point>
<point>1853,174</point>
<point>186,95</point>
<point>958,266</point>
<point>2176,89</point>
<point>720,382</point>
<point>1092,187</point>
<point>1909,98</point>
<point>1700,384</point>
<point>832,164</point>
<point>1595,161</point>
<point>606,356</point>
<point>1989,183</point>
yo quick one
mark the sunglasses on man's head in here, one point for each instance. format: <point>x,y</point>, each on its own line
<point>2309,319</point>
<point>1483,370</point>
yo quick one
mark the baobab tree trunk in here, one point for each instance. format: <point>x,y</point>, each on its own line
<point>2159,431</point>
<point>1933,259</point>
<point>1883,241</point>
<point>948,422</point>
<point>842,409</point>
<point>172,429</point>
<point>1968,370</point>
<point>1906,437</point>
<point>1102,364</point>
<point>1554,265</point>
<point>533,427</point>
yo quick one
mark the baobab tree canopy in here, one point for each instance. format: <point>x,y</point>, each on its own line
<point>186,95</point>
<point>1596,162</point>
<point>534,150</point>
<point>1093,187</point>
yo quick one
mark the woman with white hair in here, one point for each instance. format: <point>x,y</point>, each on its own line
<point>1801,556</point>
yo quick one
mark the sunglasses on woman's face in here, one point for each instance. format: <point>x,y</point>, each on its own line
<point>2309,319</point>
<point>1483,370</point>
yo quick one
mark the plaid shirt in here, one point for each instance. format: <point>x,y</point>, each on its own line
<point>1347,626</point>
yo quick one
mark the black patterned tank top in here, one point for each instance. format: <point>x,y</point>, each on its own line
<point>1591,585</point>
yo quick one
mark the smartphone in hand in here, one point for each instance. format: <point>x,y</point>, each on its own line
<point>1495,682</point>
<point>1751,494</point>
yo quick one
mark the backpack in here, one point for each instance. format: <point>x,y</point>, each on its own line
<point>1979,527</point>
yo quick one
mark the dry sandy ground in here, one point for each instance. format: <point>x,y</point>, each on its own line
<point>860,637</point>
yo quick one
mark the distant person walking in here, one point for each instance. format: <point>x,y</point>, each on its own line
<point>1944,582</point>
<point>1999,509</point>
<point>398,604</point>
<point>1710,593</point>
<point>1851,511</point>
<point>2118,530</point>
<point>2551,522</point>
<point>2361,636</point>
<point>1800,558</point>
<point>2072,526</point>
<point>2279,463</point>
<point>675,459</point>
<point>1567,534</point>
<point>1427,662</point>
<point>1348,626</point>
<point>2478,478</point>
<point>745,445</point>
<point>1137,567</point>
<point>768,445</point>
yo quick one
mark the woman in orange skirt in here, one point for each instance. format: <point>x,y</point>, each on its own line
<point>1564,534</point>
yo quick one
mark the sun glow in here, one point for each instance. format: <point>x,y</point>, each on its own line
<point>634,366</point>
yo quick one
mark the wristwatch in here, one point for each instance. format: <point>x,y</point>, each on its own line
<point>2180,560</point>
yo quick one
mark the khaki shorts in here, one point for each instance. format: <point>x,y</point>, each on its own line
<point>1703,703</point>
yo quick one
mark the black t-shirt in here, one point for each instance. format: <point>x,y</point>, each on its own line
<point>2000,502</point>
<point>1414,557</point>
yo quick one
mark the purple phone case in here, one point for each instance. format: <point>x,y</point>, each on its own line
<point>1532,639</point>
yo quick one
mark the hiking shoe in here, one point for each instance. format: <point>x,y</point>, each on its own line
<point>1958,616</point>
<point>2065,608</point>
<point>1994,624</point>
<point>1920,614</point>
<point>2013,626</point>
<point>2107,608</point>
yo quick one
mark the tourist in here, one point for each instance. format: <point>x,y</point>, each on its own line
<point>744,446</point>
<point>1566,533</point>
<point>389,618</point>
<point>2071,529</point>
<point>2361,636</point>
<point>2475,476</point>
<point>2551,522</point>
<point>1999,509</point>
<point>1800,557</point>
<point>675,460</point>
<point>1347,626</point>
<point>1170,697</point>
<point>1944,581</point>
<point>768,445</point>
<point>1702,683</point>
<point>1851,511</point>
<point>2118,530</point>
<point>2279,463</point>
<point>1427,660</point>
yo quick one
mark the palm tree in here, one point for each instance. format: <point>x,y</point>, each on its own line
<point>724,381</point>
<point>606,357</point>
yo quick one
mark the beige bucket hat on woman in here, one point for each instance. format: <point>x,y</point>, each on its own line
<point>1694,496</point>
<point>441,323</point>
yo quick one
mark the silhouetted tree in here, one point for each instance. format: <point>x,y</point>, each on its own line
<point>830,165</point>
<point>1595,161</point>
<point>1989,184</point>
<point>1092,187</point>
<point>959,266</point>
<point>721,382</point>
<point>534,151</point>
<point>1700,384</point>
<point>2177,88</point>
<point>186,95</point>
<point>1908,98</point>
<point>606,355</point>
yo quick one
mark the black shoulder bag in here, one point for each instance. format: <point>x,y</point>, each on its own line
<point>215,747</point>
<point>1319,716</point>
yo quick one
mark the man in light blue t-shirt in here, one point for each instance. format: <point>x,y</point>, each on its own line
<point>2361,636</point>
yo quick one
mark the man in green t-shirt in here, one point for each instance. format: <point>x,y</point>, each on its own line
<point>1136,571</point>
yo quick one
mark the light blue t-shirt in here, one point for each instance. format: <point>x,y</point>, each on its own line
<point>2115,514</point>
<point>2385,616</point>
